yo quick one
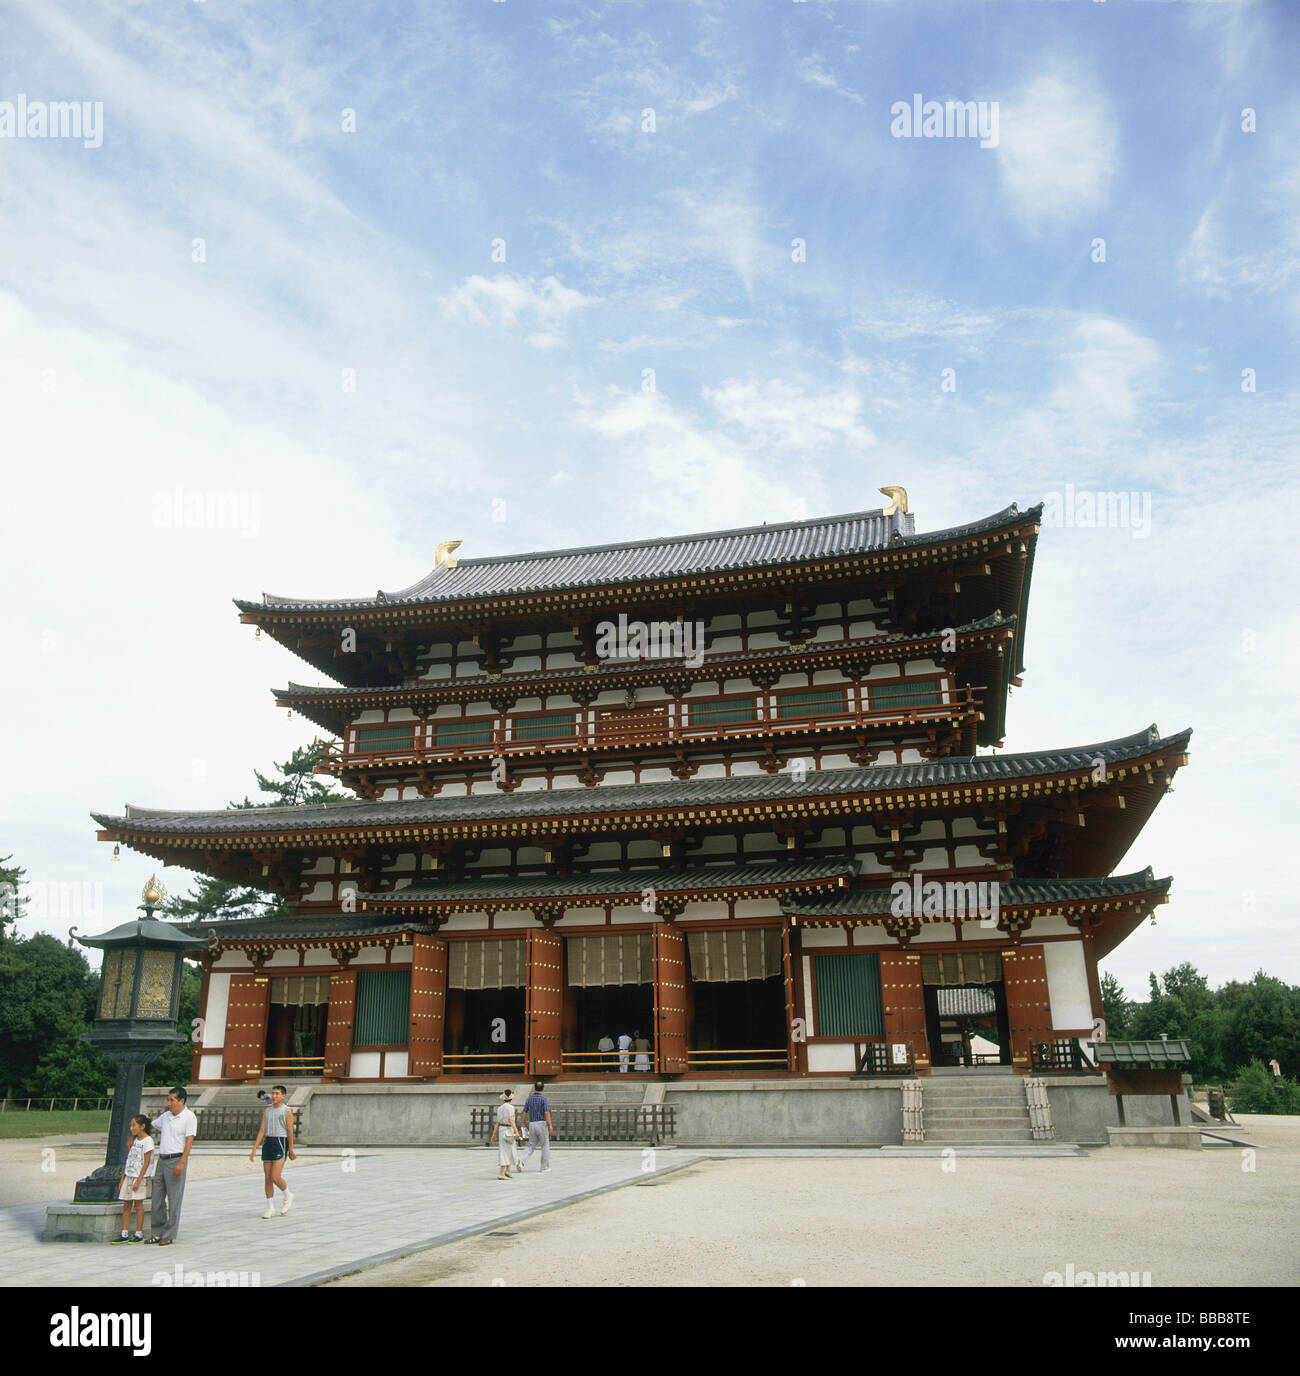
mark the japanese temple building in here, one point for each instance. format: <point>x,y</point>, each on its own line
<point>719,792</point>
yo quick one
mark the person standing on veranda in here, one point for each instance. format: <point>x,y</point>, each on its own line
<point>277,1129</point>
<point>624,1052</point>
<point>641,1045</point>
<point>508,1134</point>
<point>537,1121</point>
<point>176,1131</point>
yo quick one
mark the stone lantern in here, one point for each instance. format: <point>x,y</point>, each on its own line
<point>135,1021</point>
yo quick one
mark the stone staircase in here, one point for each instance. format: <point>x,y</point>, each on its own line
<point>623,1090</point>
<point>979,1109</point>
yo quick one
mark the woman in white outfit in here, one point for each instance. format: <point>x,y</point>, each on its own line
<point>507,1148</point>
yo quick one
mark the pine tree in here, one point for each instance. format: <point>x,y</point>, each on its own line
<point>220,900</point>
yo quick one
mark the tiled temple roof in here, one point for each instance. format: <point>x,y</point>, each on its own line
<point>619,798</point>
<point>750,547</point>
<point>628,884</point>
<point>1012,893</point>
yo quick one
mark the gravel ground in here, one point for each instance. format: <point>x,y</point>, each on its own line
<point>1189,1218</point>
<point>43,1169</point>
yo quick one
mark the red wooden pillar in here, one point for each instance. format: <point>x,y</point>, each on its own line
<point>1029,1014</point>
<point>246,1026</point>
<point>338,1031</point>
<point>544,1002</point>
<point>903,995</point>
<point>197,1035</point>
<point>428,1004</point>
<point>670,999</point>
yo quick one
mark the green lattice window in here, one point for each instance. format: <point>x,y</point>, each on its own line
<point>818,702</point>
<point>471,731</point>
<point>539,728</point>
<point>384,738</point>
<point>722,713</point>
<point>848,996</point>
<point>917,692</point>
<point>383,1008</point>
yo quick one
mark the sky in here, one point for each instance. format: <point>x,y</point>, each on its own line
<point>319,287</point>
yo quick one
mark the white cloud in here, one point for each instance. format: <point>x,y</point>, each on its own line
<point>1056,149</point>
<point>1111,368</point>
<point>505,299</point>
<point>779,414</point>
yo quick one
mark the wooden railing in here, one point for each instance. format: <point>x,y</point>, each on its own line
<point>60,1104</point>
<point>650,1123</point>
<point>234,1124</point>
<point>580,1061</point>
<point>483,1063</point>
<point>1059,1054</point>
<point>293,1065</point>
<point>334,757</point>
<point>878,1059</point>
<point>770,1058</point>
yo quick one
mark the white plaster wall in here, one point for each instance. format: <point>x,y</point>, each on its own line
<point>282,959</point>
<point>656,776</point>
<point>710,771</point>
<point>368,955</point>
<point>758,907</point>
<point>1053,925</point>
<point>320,892</point>
<point>932,932</point>
<point>465,922</point>
<point>872,936</point>
<point>584,917</point>
<point>713,911</point>
<point>1067,984</point>
<point>214,1014</point>
<point>232,960</point>
<point>745,767</point>
<point>765,640</point>
<point>625,915</point>
<point>396,1065</point>
<point>806,972</point>
<point>403,955</point>
<point>619,776</point>
<point>822,936</point>
<point>365,1064</point>
<point>837,1056</point>
<point>836,762</point>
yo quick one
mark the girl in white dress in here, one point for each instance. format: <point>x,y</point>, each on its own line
<point>134,1186</point>
<point>507,1149</point>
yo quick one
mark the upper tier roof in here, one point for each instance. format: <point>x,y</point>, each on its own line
<point>619,798</point>
<point>750,547</point>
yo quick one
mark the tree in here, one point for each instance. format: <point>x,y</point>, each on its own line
<point>220,900</point>
<point>1182,1006</point>
<point>1116,1007</point>
<point>11,909</point>
<point>1258,1090</point>
<point>46,1001</point>
<point>1263,1023</point>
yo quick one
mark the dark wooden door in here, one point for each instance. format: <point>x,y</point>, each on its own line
<point>670,1000</point>
<point>342,1019</point>
<point>544,1003</point>
<point>1028,1006</point>
<point>246,1014</point>
<point>903,996</point>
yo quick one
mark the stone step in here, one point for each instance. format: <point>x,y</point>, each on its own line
<point>975,1136</point>
<point>1001,1096</point>
<point>981,1112</point>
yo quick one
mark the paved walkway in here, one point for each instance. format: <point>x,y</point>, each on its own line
<point>349,1211</point>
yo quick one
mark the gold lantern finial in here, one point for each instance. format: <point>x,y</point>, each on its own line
<point>153,892</point>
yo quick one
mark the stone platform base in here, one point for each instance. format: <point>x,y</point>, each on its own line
<point>1187,1138</point>
<point>88,1222</point>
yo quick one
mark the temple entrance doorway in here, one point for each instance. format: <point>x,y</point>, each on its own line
<point>608,994</point>
<point>966,1009</point>
<point>737,1015</point>
<point>296,1023</point>
<point>486,1028</point>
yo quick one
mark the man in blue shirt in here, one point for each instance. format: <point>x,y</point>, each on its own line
<point>537,1119</point>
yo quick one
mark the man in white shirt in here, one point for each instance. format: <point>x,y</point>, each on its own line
<point>176,1130</point>
<point>606,1047</point>
<point>624,1052</point>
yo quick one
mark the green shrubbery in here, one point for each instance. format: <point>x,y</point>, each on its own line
<point>1258,1090</point>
